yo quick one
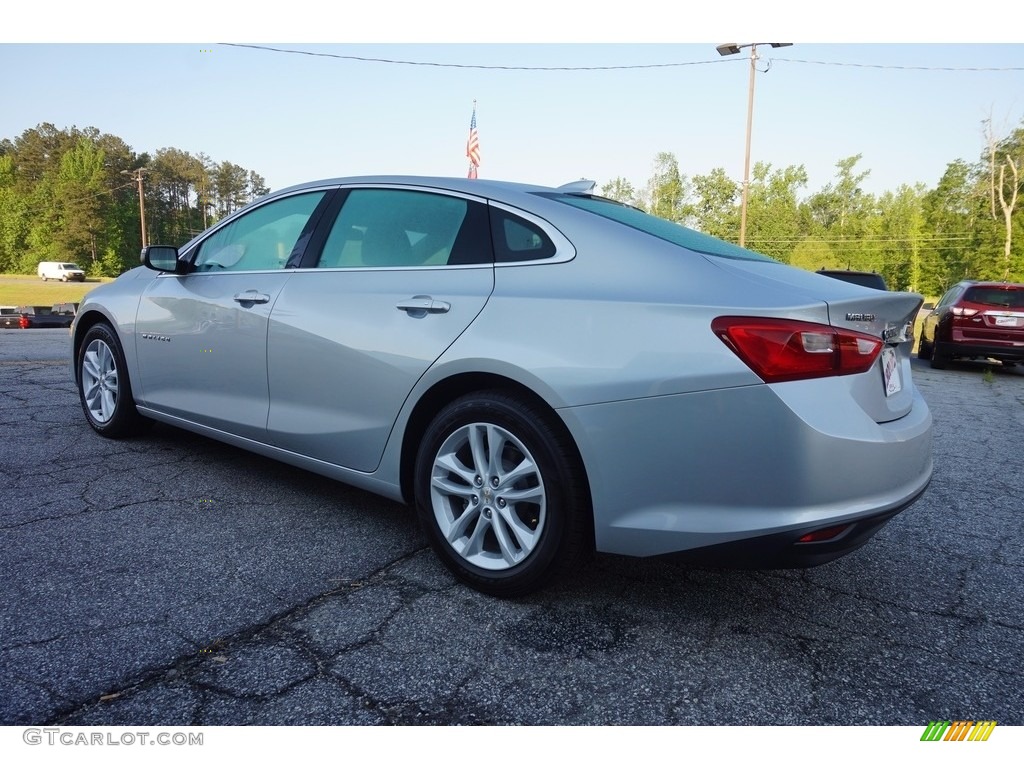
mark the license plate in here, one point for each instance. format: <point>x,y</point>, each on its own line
<point>1009,322</point>
<point>891,371</point>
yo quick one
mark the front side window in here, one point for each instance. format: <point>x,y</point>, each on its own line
<point>260,239</point>
<point>405,228</point>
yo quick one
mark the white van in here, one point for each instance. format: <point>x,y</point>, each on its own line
<point>60,270</point>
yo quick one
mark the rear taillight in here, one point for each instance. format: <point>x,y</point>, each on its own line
<point>787,350</point>
<point>963,311</point>
<point>24,322</point>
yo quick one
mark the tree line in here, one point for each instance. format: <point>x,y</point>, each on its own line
<point>69,194</point>
<point>925,240</point>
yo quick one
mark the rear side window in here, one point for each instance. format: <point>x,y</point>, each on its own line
<point>516,239</point>
<point>996,296</point>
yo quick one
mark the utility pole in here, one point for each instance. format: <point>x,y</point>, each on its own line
<point>727,49</point>
<point>136,176</point>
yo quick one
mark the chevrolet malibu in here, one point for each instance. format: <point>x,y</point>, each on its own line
<point>541,372</point>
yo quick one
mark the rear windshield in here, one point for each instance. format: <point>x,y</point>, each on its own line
<point>865,279</point>
<point>996,296</point>
<point>661,228</point>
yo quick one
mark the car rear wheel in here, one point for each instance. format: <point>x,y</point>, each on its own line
<point>103,385</point>
<point>500,494</point>
<point>938,359</point>
<point>924,352</point>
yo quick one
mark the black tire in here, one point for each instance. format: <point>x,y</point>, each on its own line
<point>103,385</point>
<point>939,360</point>
<point>924,351</point>
<point>503,533</point>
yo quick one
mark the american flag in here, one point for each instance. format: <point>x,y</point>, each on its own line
<point>473,146</point>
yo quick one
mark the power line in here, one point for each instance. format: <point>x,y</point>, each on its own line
<point>379,60</point>
<point>449,65</point>
<point>901,66</point>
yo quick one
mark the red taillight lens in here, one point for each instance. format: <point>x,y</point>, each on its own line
<point>23,322</point>
<point>963,311</point>
<point>787,350</point>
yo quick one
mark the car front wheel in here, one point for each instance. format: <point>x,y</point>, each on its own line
<point>103,385</point>
<point>500,494</point>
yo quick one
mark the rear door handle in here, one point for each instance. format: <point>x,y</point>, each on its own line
<point>251,297</point>
<point>418,306</point>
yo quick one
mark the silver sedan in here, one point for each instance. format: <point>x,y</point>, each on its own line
<point>542,372</point>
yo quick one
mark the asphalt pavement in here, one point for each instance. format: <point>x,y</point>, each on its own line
<point>172,580</point>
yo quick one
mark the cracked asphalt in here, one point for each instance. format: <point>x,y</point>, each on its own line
<point>171,580</point>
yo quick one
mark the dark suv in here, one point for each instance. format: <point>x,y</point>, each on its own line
<point>976,320</point>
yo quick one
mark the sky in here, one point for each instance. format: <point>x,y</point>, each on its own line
<point>561,92</point>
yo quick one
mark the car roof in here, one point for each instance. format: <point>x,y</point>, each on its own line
<point>508,191</point>
<point>992,284</point>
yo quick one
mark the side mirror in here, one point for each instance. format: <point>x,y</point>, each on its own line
<point>163,258</point>
<point>929,305</point>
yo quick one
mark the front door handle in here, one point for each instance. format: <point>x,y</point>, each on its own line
<point>251,297</point>
<point>418,306</point>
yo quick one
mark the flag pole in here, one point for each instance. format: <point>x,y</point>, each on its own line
<point>473,146</point>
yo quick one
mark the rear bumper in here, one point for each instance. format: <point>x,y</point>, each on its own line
<point>1009,350</point>
<point>785,550</point>
<point>737,476</point>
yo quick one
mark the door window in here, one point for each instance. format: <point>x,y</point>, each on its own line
<point>262,239</point>
<point>406,228</point>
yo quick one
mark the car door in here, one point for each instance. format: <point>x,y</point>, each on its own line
<point>400,275</point>
<point>201,337</point>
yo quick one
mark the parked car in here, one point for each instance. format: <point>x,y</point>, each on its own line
<point>541,372</point>
<point>866,279</point>
<point>975,320</point>
<point>9,317</point>
<point>42,317</point>
<point>60,270</point>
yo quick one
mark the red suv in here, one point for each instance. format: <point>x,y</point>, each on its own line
<point>976,320</point>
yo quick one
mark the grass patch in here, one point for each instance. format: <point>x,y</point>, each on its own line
<point>16,290</point>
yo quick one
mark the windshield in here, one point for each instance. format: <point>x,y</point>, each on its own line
<point>661,228</point>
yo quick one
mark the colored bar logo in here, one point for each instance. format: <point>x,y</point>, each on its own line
<point>958,730</point>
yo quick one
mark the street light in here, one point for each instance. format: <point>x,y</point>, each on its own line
<point>727,49</point>
<point>136,175</point>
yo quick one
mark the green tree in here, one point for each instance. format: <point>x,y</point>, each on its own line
<point>715,209</point>
<point>667,190</point>
<point>812,254</point>
<point>231,183</point>
<point>899,232</point>
<point>773,216</point>
<point>950,214</point>
<point>621,190</point>
<point>81,197</point>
